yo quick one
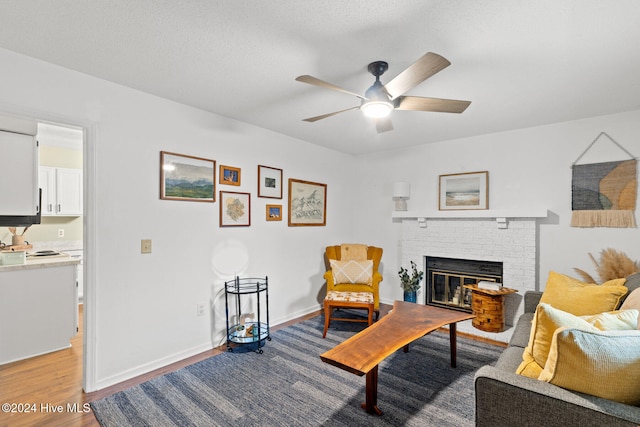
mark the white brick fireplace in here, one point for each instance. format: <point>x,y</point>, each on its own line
<point>512,241</point>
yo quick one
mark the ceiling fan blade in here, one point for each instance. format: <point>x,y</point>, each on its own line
<point>317,82</point>
<point>384,125</point>
<point>417,103</point>
<point>324,116</point>
<point>429,64</point>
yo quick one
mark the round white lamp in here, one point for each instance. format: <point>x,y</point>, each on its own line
<point>401,193</point>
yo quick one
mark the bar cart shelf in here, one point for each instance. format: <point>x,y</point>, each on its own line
<point>241,333</point>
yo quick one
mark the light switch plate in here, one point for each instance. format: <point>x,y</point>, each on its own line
<point>145,246</point>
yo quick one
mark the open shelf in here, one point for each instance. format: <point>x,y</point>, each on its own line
<point>237,333</point>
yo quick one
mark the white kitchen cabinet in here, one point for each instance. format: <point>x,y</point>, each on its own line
<point>61,191</point>
<point>19,165</point>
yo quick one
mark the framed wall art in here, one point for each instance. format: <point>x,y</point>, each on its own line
<point>269,182</point>
<point>229,175</point>
<point>464,191</point>
<point>274,213</point>
<point>307,203</point>
<point>235,209</point>
<point>185,177</point>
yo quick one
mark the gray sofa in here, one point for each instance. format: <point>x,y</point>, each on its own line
<point>504,398</point>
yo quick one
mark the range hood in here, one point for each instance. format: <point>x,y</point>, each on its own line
<point>22,220</point>
<point>20,196</point>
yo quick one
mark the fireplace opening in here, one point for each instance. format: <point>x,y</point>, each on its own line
<point>446,277</point>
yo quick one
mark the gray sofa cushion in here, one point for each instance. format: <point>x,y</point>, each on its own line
<point>522,330</point>
<point>510,359</point>
<point>632,283</point>
<point>531,300</point>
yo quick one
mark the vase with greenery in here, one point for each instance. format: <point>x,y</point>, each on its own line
<point>410,283</point>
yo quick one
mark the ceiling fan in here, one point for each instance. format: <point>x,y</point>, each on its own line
<point>379,100</point>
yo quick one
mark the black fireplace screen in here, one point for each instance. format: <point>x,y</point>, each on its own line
<point>446,277</point>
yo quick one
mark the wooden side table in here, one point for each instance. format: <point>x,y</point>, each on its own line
<point>488,306</point>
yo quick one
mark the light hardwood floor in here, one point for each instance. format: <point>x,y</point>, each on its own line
<point>43,384</point>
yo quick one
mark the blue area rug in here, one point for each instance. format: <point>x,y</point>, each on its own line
<point>289,385</point>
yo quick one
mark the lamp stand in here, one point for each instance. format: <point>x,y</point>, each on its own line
<point>401,205</point>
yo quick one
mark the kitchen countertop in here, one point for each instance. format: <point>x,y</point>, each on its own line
<point>42,262</point>
<point>56,245</point>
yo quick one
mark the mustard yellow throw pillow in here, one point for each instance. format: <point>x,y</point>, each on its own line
<point>547,320</point>
<point>600,363</point>
<point>573,296</point>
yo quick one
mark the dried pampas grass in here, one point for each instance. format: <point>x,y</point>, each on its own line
<point>586,277</point>
<point>613,265</point>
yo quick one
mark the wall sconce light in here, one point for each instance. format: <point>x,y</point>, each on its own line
<point>401,193</point>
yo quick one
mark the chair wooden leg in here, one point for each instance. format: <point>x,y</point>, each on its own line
<point>327,318</point>
<point>377,315</point>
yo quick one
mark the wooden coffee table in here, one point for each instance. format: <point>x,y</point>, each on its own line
<point>407,322</point>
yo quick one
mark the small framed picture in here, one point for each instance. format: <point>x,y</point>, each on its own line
<point>307,203</point>
<point>188,178</point>
<point>464,191</point>
<point>229,175</point>
<point>274,213</point>
<point>235,209</point>
<point>269,182</point>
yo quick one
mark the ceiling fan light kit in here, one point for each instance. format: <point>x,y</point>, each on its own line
<point>380,100</point>
<point>376,109</point>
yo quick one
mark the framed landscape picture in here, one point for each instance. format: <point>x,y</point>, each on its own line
<point>235,209</point>
<point>307,203</point>
<point>229,175</point>
<point>464,191</point>
<point>185,177</point>
<point>274,213</point>
<point>269,182</point>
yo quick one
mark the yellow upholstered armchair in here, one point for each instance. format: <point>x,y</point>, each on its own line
<point>354,268</point>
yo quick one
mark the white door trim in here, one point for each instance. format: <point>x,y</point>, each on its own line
<point>89,229</point>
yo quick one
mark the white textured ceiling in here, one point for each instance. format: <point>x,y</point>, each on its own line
<point>522,63</point>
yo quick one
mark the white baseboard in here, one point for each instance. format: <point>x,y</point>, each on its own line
<point>151,366</point>
<point>294,315</point>
<point>176,357</point>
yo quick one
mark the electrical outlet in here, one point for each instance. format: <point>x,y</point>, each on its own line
<point>200,309</point>
<point>145,246</point>
<point>60,232</point>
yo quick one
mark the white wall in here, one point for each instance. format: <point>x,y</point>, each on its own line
<point>145,305</point>
<point>528,168</point>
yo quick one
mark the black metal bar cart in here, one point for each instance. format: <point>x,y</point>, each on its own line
<point>252,333</point>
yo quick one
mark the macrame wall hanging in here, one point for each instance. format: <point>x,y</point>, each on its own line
<point>604,194</point>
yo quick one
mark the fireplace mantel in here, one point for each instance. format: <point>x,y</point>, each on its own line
<point>485,213</point>
<point>500,216</point>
